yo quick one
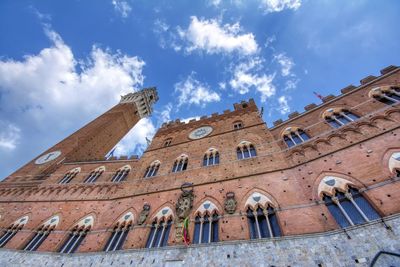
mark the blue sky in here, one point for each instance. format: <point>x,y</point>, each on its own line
<point>63,63</point>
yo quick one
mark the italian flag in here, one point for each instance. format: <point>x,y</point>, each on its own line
<point>186,238</point>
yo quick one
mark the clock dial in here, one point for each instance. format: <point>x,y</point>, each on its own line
<point>48,157</point>
<point>200,132</point>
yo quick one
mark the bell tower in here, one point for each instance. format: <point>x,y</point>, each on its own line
<point>92,141</point>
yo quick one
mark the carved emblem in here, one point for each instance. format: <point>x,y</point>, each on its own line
<point>230,203</point>
<point>143,214</point>
<point>185,202</point>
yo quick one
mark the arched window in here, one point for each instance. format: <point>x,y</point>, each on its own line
<point>119,233</point>
<point>12,230</point>
<point>345,203</point>
<point>211,157</point>
<point>121,174</point>
<point>261,216</point>
<point>167,142</point>
<point>237,125</point>
<point>152,169</point>
<point>69,176</point>
<point>245,150</point>
<point>42,233</point>
<point>206,224</point>
<point>160,228</point>
<point>337,117</point>
<point>95,174</point>
<point>77,235</point>
<point>294,136</point>
<point>180,163</point>
<point>386,94</point>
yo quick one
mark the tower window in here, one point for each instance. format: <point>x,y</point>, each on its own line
<point>238,125</point>
<point>211,157</point>
<point>180,164</point>
<point>294,136</point>
<point>94,175</point>
<point>263,222</point>
<point>245,150</point>
<point>119,234</point>
<point>121,174</point>
<point>69,176</point>
<point>386,94</point>
<point>159,233</point>
<point>339,117</point>
<point>12,230</point>
<point>350,208</point>
<point>152,169</point>
<point>41,234</point>
<point>167,142</point>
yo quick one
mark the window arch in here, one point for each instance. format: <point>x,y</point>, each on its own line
<point>206,223</point>
<point>121,174</point>
<point>294,136</point>
<point>245,150</point>
<point>12,230</point>
<point>120,232</point>
<point>42,233</point>
<point>180,163</point>
<point>386,94</point>
<point>394,163</point>
<point>160,228</point>
<point>211,157</point>
<point>152,169</point>
<point>238,125</point>
<point>94,175</point>
<point>69,176</point>
<point>337,117</point>
<point>261,216</point>
<point>346,204</point>
<point>167,142</point>
<point>77,235</point>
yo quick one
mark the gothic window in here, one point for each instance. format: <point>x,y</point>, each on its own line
<point>69,176</point>
<point>12,230</point>
<point>211,157</point>
<point>119,233</point>
<point>152,169</point>
<point>167,142</point>
<point>77,235</point>
<point>386,94</point>
<point>346,204</point>
<point>180,163</point>
<point>262,218</point>
<point>121,174</point>
<point>237,125</point>
<point>206,224</point>
<point>94,175</point>
<point>245,150</point>
<point>42,233</point>
<point>294,136</point>
<point>160,228</point>
<point>337,117</point>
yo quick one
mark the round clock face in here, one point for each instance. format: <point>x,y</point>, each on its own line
<point>48,157</point>
<point>200,132</point>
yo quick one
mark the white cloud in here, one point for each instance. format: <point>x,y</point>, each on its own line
<point>9,136</point>
<point>191,91</point>
<point>285,62</point>
<point>186,120</point>
<point>214,3</point>
<point>279,5</point>
<point>283,105</point>
<point>135,140</point>
<point>122,7</point>
<point>213,38</point>
<point>165,114</point>
<point>248,75</point>
<point>52,93</point>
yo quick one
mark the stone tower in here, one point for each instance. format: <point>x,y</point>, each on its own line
<point>92,141</point>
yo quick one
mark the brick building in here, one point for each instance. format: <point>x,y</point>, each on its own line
<point>329,172</point>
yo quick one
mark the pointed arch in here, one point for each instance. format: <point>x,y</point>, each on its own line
<point>160,228</point>
<point>68,176</point>
<point>244,201</point>
<point>95,174</point>
<point>13,229</point>
<point>43,231</point>
<point>120,231</point>
<point>121,174</point>
<point>152,169</point>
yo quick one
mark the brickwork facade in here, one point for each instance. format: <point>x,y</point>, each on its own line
<point>294,180</point>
